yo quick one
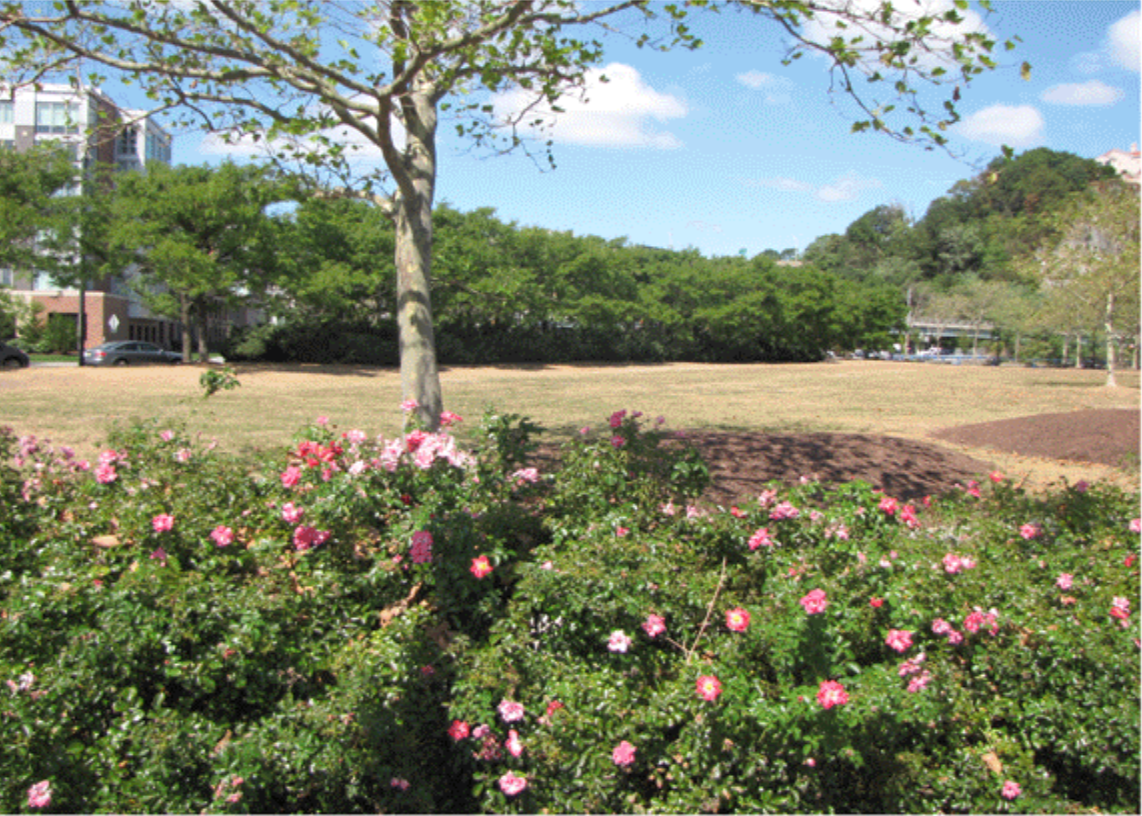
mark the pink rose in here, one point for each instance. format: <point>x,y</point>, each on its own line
<point>306,538</point>
<point>459,730</point>
<point>1065,580</point>
<point>40,794</point>
<point>737,620</point>
<point>291,513</point>
<point>831,693</point>
<point>708,687</point>
<point>618,641</point>
<point>223,536</point>
<point>421,547</point>
<point>1030,531</point>
<point>815,601</point>
<point>291,476</point>
<point>510,710</point>
<point>1011,790</point>
<point>529,475</point>
<point>512,743</point>
<point>917,683</point>
<point>761,539</point>
<point>511,784</point>
<point>163,523</point>
<point>785,510</point>
<point>654,626</point>
<point>899,640</point>
<point>623,755</point>
<point>481,566</point>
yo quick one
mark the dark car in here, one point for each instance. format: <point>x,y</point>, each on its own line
<point>12,357</point>
<point>129,352</point>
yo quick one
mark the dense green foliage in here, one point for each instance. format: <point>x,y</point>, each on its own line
<point>406,625</point>
<point>195,240</point>
<point>29,204</point>
<point>974,231</point>
<point>974,257</point>
<point>505,293</point>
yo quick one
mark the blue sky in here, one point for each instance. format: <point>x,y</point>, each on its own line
<point>724,149</point>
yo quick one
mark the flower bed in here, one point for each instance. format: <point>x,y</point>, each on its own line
<point>407,625</point>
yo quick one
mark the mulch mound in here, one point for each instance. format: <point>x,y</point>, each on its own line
<point>1105,437</point>
<point>742,463</point>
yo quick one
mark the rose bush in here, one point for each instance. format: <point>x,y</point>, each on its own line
<point>412,625</point>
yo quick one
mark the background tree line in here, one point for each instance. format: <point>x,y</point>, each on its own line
<point>1005,247</point>
<point>992,250</point>
<point>506,293</point>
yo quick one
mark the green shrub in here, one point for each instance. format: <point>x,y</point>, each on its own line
<point>353,625</point>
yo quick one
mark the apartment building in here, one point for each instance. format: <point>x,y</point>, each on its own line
<point>1128,163</point>
<point>94,130</point>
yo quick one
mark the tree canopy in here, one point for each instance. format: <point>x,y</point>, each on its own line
<point>35,223</point>
<point>193,239</point>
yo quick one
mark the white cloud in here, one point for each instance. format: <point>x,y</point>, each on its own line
<point>847,188</point>
<point>844,188</point>
<point>782,183</point>
<point>823,27</point>
<point>617,113</point>
<point>1088,63</point>
<point>997,125</point>
<point>1086,93</point>
<point>1123,41</point>
<point>359,149</point>
<point>777,90</point>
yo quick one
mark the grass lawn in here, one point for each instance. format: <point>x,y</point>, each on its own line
<point>77,406</point>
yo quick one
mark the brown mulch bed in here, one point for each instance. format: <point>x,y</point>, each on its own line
<point>742,463</point>
<point>1107,437</point>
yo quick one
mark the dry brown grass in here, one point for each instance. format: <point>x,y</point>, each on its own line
<point>77,406</point>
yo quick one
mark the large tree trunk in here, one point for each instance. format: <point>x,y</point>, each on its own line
<point>1111,349</point>
<point>184,314</point>
<point>203,332</point>
<point>420,379</point>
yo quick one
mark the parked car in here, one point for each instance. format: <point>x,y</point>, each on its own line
<point>129,352</point>
<point>12,357</point>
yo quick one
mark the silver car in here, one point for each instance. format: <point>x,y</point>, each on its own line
<point>129,352</point>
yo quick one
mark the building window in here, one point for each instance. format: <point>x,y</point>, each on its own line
<point>57,117</point>
<point>7,278</point>
<point>127,143</point>
<point>7,112</point>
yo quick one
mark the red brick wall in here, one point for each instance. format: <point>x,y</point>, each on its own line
<point>99,306</point>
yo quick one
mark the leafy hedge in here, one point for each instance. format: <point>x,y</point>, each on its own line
<point>408,625</point>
